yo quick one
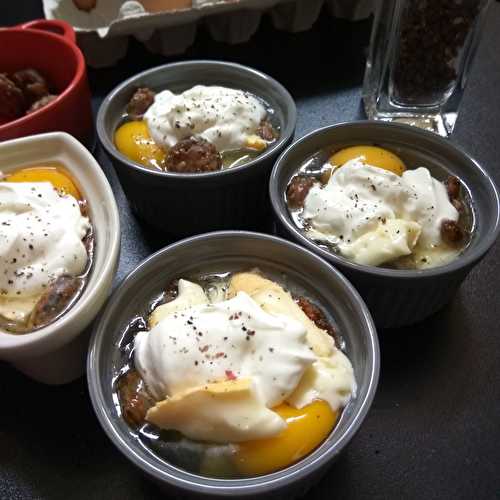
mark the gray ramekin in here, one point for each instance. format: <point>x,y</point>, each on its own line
<point>187,204</point>
<point>398,297</point>
<point>216,252</point>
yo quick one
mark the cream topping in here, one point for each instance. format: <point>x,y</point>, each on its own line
<point>41,236</point>
<point>228,118</point>
<point>231,339</point>
<point>218,369</point>
<point>359,199</point>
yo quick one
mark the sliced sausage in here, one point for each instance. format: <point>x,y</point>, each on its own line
<point>266,131</point>
<point>298,189</point>
<point>41,103</point>
<point>32,83</point>
<point>452,184</point>
<point>451,232</point>
<point>55,300</point>
<point>193,155</point>
<point>459,206</point>
<point>316,315</point>
<point>140,103</point>
<point>12,101</point>
<point>134,399</point>
<point>171,291</point>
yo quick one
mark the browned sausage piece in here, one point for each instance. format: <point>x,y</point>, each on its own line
<point>451,232</point>
<point>315,314</point>
<point>85,5</point>
<point>140,103</point>
<point>32,83</point>
<point>12,101</point>
<point>459,206</point>
<point>193,155</point>
<point>171,291</point>
<point>297,190</point>
<point>266,131</point>
<point>134,399</point>
<point>41,103</point>
<point>55,300</point>
<point>452,184</point>
<point>84,209</point>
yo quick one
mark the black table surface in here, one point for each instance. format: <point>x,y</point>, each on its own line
<point>434,428</point>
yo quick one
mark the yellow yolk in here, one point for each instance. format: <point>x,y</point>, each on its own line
<point>372,155</point>
<point>255,142</point>
<point>133,140</point>
<point>60,180</point>
<point>306,429</point>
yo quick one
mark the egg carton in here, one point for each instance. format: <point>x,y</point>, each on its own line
<point>169,27</point>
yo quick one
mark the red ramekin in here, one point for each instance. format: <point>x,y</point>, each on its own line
<point>49,46</point>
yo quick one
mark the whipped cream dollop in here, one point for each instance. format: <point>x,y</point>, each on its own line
<point>41,236</point>
<point>375,216</point>
<point>217,369</point>
<point>225,117</point>
<point>232,339</point>
<point>330,379</point>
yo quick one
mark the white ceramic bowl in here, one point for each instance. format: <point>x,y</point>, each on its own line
<point>56,353</point>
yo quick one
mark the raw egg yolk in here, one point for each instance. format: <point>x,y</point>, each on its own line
<point>133,140</point>
<point>60,180</point>
<point>372,155</point>
<point>306,429</point>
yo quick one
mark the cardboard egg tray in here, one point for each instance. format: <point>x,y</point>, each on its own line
<point>169,27</point>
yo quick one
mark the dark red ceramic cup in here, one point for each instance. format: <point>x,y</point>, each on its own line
<point>49,46</point>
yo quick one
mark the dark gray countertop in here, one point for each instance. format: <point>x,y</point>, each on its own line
<point>434,428</point>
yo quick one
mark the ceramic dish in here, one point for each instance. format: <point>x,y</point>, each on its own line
<point>50,48</point>
<point>187,203</point>
<point>55,353</point>
<point>398,297</point>
<point>214,252</point>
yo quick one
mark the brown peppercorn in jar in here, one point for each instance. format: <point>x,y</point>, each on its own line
<point>432,35</point>
<point>421,53</point>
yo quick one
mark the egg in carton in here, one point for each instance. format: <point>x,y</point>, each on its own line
<point>169,26</point>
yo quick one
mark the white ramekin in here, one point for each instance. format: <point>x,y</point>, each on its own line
<point>56,353</point>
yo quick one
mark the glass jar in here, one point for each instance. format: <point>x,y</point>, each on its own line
<point>420,54</point>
